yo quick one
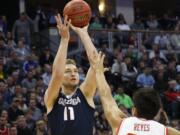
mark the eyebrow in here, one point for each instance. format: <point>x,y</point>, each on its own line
<point>68,69</point>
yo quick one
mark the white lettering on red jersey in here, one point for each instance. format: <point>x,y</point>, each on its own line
<point>136,126</point>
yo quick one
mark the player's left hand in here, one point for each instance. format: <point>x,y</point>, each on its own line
<point>97,62</point>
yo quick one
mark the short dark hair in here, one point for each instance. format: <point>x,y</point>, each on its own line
<point>70,61</point>
<point>147,102</point>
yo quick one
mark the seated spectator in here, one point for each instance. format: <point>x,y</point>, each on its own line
<point>22,126</point>
<point>4,126</point>
<point>36,112</point>
<point>30,64</point>
<point>46,76</point>
<point>145,79</point>
<point>157,53</point>
<point>137,25</point>
<point>41,128</point>
<point>175,40</point>
<point>29,82</point>
<point>13,130</point>
<point>96,24</point>
<point>46,57</point>
<point>109,24</point>
<point>14,111</point>
<point>116,67</point>
<point>172,96</point>
<point>128,71</point>
<point>165,22</point>
<point>152,23</point>
<point>14,63</point>
<point>22,51</point>
<point>122,98</point>
<point>123,26</point>
<point>3,24</point>
<point>162,40</point>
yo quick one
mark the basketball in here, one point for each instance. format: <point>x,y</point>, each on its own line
<point>78,11</point>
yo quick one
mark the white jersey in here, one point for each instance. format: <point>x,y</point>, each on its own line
<point>135,126</point>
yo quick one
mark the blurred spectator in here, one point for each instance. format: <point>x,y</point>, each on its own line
<point>123,99</point>
<point>13,130</point>
<point>123,26</point>
<point>128,72</point>
<point>22,51</point>
<point>152,23</point>
<point>30,64</point>
<point>161,79</point>
<point>29,119</point>
<point>41,128</point>
<point>46,76</point>
<point>14,111</point>
<point>13,64</point>
<point>145,79</point>
<point>52,20</point>
<point>171,70</point>
<point>22,27</point>
<point>116,67</point>
<point>4,130</point>
<point>3,24</point>
<point>157,53</point>
<point>36,112</point>
<point>96,24</point>
<point>22,126</point>
<point>22,102</point>
<point>110,24</point>
<point>81,74</point>
<point>2,72</point>
<point>177,26</point>
<point>165,22</point>
<point>3,103</point>
<point>29,81</point>
<point>46,57</point>
<point>163,40</point>
<point>137,25</point>
<point>3,48</point>
<point>40,20</point>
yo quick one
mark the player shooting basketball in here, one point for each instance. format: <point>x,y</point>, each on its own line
<point>70,107</point>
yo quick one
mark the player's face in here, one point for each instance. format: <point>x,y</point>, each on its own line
<point>71,75</point>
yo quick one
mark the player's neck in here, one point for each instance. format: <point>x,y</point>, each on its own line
<point>68,90</point>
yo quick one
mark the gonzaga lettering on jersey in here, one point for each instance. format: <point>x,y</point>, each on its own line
<point>71,116</point>
<point>135,126</point>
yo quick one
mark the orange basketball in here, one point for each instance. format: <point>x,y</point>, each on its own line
<point>79,12</point>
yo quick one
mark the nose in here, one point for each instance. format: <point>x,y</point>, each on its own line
<point>73,73</point>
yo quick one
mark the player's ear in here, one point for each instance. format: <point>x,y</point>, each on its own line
<point>134,111</point>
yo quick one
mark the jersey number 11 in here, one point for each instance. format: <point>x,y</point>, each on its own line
<point>68,113</point>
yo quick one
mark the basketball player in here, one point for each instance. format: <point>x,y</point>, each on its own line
<point>146,102</point>
<point>70,108</point>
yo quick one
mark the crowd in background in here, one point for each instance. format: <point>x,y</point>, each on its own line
<point>25,71</point>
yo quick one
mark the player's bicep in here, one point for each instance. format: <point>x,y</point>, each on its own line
<point>52,92</point>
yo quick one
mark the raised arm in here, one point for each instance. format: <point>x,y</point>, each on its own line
<point>88,87</point>
<point>113,114</point>
<point>58,64</point>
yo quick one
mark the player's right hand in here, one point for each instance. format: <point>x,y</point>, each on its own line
<point>63,27</point>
